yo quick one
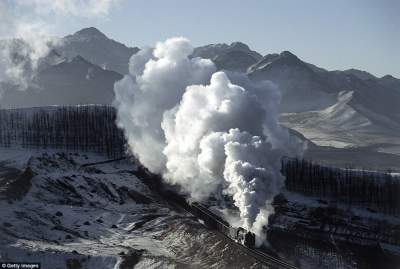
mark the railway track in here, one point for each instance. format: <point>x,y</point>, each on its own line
<point>262,257</point>
<point>219,225</point>
<point>103,162</point>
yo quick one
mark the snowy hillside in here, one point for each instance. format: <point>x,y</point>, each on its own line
<point>344,124</point>
<point>302,89</point>
<point>104,216</point>
<point>110,215</point>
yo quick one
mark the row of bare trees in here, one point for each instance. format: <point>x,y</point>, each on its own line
<point>92,128</point>
<point>374,190</point>
<point>88,128</point>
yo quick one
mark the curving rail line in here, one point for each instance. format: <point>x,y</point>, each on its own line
<point>255,253</point>
<point>220,225</point>
<point>103,162</point>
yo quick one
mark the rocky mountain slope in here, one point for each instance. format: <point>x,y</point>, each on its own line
<point>302,88</point>
<point>235,57</point>
<point>97,48</point>
<point>64,82</point>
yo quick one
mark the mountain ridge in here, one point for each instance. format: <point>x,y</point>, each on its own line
<point>74,81</point>
<point>97,48</point>
<point>88,57</point>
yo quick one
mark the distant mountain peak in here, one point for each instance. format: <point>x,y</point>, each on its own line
<point>98,49</point>
<point>287,54</point>
<point>390,82</point>
<point>90,32</point>
<point>239,46</point>
<point>389,77</point>
<point>235,57</point>
<point>284,58</point>
<point>363,75</point>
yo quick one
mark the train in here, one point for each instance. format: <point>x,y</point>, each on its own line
<point>210,219</point>
<point>238,234</point>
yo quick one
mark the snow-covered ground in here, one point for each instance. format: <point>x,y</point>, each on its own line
<point>344,222</point>
<point>329,234</point>
<point>57,212</point>
<point>63,215</point>
<point>344,124</point>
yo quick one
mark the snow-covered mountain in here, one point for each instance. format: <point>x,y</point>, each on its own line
<point>64,215</point>
<point>73,73</point>
<point>366,113</point>
<point>302,89</point>
<point>97,48</point>
<point>307,87</point>
<point>340,108</point>
<point>64,82</point>
<point>346,123</point>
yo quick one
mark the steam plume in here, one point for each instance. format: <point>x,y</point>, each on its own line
<point>212,133</point>
<point>21,56</point>
<point>77,8</point>
<point>156,84</point>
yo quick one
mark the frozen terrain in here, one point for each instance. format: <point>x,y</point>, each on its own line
<point>342,125</point>
<point>322,233</point>
<point>64,215</point>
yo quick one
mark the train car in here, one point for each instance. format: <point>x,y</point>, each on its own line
<point>239,235</point>
<point>246,238</point>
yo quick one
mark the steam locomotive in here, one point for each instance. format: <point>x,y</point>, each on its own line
<point>212,220</point>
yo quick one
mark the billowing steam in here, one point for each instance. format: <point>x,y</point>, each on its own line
<point>156,83</point>
<point>212,133</point>
<point>76,8</point>
<point>21,56</point>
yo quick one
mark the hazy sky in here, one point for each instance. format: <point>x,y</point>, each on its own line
<point>338,34</point>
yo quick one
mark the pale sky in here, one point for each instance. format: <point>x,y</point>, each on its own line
<point>337,34</point>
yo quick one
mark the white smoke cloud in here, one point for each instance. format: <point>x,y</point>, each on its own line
<point>21,56</point>
<point>212,133</point>
<point>156,84</point>
<point>25,42</point>
<point>77,8</point>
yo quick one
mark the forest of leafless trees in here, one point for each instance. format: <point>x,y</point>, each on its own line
<point>85,128</point>
<point>92,128</point>
<point>377,191</point>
